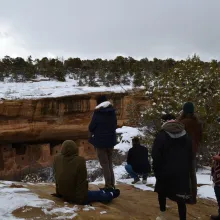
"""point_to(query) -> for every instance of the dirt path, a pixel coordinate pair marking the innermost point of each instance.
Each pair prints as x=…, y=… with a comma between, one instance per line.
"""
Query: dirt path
x=133, y=204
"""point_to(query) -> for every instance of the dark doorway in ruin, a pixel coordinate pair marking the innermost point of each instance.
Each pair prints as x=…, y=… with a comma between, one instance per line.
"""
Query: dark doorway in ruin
x=19, y=148
x=53, y=144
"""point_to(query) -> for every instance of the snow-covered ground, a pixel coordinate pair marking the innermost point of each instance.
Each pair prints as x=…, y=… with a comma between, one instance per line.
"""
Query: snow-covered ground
x=14, y=198
x=35, y=90
x=205, y=189
x=205, y=184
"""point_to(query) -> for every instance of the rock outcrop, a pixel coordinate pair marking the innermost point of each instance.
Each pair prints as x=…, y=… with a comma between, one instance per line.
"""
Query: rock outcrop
x=31, y=131
x=132, y=204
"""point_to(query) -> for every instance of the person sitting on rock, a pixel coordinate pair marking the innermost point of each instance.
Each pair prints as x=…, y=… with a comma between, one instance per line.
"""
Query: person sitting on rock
x=71, y=178
x=172, y=154
x=137, y=162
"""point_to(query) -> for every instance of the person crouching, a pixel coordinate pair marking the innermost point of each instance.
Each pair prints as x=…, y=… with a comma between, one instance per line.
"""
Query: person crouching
x=137, y=162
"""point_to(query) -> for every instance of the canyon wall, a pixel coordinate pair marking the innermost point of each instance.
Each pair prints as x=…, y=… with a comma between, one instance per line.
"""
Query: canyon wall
x=31, y=131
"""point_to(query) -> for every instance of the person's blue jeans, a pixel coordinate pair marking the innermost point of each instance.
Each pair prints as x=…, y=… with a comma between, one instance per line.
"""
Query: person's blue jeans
x=217, y=194
x=99, y=196
x=134, y=175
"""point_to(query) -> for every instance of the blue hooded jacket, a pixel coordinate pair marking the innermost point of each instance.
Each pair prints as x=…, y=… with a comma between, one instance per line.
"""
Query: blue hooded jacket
x=103, y=126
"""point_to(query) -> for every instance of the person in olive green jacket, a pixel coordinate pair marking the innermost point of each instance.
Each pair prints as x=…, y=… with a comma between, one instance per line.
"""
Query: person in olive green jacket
x=71, y=178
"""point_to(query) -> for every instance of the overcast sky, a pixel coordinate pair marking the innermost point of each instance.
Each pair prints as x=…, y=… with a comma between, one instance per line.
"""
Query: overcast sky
x=107, y=28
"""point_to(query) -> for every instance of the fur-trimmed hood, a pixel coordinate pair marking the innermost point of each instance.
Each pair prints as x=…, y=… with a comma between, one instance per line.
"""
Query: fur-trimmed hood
x=174, y=128
x=104, y=107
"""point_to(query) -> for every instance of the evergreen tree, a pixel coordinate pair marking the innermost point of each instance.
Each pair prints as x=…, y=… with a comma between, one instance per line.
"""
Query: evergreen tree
x=188, y=81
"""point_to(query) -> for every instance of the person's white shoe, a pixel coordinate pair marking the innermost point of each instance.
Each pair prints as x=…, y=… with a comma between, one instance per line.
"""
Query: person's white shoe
x=162, y=216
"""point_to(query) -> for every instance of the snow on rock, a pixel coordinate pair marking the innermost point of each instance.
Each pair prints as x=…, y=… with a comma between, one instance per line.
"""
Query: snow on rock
x=203, y=178
x=120, y=172
x=127, y=133
x=206, y=192
x=149, y=187
x=92, y=165
x=69, y=212
x=42, y=89
x=88, y=208
x=13, y=190
x=66, y=217
x=13, y=198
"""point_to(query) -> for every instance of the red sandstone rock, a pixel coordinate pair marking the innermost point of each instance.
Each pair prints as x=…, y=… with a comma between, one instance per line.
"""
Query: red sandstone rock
x=31, y=131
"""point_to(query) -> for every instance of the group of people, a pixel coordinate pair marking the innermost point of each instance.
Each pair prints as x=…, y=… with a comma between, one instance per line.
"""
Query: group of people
x=174, y=161
x=70, y=169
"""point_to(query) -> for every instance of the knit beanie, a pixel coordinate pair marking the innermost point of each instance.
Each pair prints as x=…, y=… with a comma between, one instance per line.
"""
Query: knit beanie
x=101, y=98
x=188, y=108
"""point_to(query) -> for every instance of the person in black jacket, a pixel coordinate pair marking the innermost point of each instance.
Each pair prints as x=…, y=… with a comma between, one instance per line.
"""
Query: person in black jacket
x=137, y=162
x=172, y=155
x=103, y=137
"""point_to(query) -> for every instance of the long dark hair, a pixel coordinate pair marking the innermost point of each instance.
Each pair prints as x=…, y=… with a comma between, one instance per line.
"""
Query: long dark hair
x=135, y=141
x=187, y=115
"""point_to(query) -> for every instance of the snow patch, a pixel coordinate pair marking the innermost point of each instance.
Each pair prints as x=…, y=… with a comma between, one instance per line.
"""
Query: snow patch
x=127, y=133
x=206, y=192
x=69, y=212
x=120, y=172
x=42, y=89
x=13, y=190
x=88, y=208
x=11, y=199
x=141, y=186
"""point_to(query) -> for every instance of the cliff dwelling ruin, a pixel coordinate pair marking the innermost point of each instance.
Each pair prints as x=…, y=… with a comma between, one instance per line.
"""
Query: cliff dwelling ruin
x=32, y=131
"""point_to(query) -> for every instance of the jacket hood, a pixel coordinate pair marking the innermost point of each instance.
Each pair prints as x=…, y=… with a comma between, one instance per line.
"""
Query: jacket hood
x=69, y=148
x=105, y=107
x=174, y=129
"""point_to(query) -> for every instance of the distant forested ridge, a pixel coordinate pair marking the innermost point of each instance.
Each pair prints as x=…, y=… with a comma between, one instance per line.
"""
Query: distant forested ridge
x=121, y=70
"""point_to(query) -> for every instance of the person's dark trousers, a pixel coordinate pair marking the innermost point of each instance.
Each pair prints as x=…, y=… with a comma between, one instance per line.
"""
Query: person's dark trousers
x=180, y=203
x=99, y=196
x=131, y=172
x=217, y=194
x=162, y=202
x=105, y=159
x=193, y=180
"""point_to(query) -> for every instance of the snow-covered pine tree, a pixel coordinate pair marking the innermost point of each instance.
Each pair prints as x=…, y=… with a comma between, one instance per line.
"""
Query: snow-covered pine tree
x=190, y=80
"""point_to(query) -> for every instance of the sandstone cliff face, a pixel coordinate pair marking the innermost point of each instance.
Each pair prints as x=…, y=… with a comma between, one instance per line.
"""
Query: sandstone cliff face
x=31, y=131
x=51, y=119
